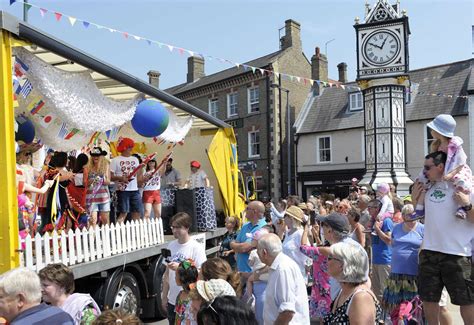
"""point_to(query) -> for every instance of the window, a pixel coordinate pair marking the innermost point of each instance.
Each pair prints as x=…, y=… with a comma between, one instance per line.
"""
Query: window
x=254, y=144
x=429, y=140
x=232, y=105
x=324, y=149
x=254, y=98
x=213, y=107
x=355, y=101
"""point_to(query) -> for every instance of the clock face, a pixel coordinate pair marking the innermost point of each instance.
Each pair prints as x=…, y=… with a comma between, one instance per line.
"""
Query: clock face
x=381, y=47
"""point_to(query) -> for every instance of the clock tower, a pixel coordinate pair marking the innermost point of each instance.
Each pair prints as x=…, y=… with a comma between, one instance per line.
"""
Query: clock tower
x=382, y=67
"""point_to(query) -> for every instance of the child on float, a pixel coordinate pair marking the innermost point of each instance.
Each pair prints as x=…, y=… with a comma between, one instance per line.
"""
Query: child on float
x=456, y=169
x=186, y=277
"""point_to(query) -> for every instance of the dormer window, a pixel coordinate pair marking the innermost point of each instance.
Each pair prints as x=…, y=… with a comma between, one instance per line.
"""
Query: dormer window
x=355, y=101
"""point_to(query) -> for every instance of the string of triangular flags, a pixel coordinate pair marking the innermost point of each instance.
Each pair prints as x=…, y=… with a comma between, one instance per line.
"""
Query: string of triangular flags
x=173, y=48
x=86, y=24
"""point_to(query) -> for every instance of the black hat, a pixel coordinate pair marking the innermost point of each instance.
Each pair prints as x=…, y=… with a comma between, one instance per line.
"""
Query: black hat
x=97, y=151
x=337, y=222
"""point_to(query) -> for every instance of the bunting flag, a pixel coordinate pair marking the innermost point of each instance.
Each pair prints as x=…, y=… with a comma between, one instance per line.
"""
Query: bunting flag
x=20, y=67
x=71, y=134
x=72, y=20
x=62, y=131
x=37, y=107
x=26, y=89
x=16, y=86
x=58, y=16
x=47, y=120
x=94, y=138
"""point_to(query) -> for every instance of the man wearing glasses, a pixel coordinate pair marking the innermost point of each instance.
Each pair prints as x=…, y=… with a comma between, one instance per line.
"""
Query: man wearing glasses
x=445, y=260
x=243, y=244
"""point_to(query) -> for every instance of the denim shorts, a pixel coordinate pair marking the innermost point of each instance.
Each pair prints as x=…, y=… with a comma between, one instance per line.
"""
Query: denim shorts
x=100, y=207
x=128, y=201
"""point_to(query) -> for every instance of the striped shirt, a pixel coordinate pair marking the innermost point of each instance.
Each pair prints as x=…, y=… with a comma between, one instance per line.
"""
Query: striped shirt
x=97, y=194
x=43, y=314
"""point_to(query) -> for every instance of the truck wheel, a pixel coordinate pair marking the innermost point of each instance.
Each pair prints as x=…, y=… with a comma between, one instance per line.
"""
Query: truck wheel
x=158, y=286
x=125, y=294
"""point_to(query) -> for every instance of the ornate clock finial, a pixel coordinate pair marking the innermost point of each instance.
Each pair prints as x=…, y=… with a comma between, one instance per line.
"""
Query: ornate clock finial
x=404, y=12
x=367, y=8
x=356, y=20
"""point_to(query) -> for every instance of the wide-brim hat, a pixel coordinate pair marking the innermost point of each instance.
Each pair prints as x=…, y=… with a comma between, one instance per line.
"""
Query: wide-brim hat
x=29, y=147
x=295, y=213
x=210, y=290
x=444, y=124
x=97, y=151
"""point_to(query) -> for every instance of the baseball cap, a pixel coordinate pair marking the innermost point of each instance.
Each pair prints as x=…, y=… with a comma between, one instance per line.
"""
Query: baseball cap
x=124, y=144
x=337, y=222
x=195, y=164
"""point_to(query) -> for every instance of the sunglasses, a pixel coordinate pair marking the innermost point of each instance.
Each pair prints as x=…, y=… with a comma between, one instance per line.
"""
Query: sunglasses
x=333, y=258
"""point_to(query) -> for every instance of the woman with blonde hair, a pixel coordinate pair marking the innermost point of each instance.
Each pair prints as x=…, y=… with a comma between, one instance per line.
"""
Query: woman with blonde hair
x=98, y=197
x=217, y=268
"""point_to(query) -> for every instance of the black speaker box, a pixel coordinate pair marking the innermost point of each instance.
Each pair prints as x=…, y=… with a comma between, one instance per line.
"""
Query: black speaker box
x=185, y=203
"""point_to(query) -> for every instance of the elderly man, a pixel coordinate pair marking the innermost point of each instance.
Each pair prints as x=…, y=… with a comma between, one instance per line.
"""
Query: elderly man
x=286, y=300
x=20, y=300
x=243, y=244
x=445, y=260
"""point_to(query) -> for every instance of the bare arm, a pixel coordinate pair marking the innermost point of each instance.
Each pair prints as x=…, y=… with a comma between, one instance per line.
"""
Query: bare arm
x=284, y=317
x=304, y=236
x=241, y=247
x=385, y=237
x=164, y=289
x=360, y=235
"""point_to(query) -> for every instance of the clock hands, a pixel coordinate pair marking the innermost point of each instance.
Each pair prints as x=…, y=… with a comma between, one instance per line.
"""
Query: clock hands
x=379, y=47
x=386, y=38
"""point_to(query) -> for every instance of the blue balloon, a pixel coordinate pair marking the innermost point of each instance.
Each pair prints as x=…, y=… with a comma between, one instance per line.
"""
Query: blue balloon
x=26, y=129
x=151, y=118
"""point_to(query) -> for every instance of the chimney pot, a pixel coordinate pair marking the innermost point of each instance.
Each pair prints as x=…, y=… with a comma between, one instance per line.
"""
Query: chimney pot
x=319, y=67
x=195, y=68
x=292, y=36
x=342, y=68
x=154, y=78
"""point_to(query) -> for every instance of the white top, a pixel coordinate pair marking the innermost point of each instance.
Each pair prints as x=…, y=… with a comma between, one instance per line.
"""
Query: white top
x=286, y=291
x=387, y=205
x=121, y=166
x=291, y=247
x=154, y=183
x=444, y=232
x=197, y=179
x=191, y=249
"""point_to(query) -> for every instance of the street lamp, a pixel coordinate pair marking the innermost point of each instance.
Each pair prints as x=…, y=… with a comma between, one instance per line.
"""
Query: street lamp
x=288, y=130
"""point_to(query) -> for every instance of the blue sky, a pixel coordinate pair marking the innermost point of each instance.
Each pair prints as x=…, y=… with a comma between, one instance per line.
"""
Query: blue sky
x=241, y=30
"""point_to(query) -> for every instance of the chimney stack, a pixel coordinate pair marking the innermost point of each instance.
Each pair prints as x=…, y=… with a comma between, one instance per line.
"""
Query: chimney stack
x=319, y=66
x=342, y=68
x=154, y=78
x=195, y=68
x=292, y=36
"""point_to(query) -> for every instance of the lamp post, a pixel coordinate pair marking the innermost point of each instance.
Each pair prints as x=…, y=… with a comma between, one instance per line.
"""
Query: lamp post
x=288, y=133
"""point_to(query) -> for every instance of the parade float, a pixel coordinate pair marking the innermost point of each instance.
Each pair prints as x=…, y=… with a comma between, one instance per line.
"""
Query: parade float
x=64, y=99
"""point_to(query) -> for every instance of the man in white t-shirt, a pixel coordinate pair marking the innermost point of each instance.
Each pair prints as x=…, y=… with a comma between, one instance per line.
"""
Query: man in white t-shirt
x=128, y=197
x=445, y=258
x=183, y=247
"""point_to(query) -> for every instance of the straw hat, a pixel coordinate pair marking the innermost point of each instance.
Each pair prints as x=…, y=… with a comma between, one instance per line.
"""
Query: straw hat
x=295, y=213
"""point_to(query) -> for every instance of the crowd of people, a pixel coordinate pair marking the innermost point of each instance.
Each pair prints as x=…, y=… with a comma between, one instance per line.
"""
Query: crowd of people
x=369, y=258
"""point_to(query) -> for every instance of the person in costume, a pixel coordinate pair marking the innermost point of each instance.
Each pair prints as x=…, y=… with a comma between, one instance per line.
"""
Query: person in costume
x=98, y=196
x=198, y=177
x=128, y=197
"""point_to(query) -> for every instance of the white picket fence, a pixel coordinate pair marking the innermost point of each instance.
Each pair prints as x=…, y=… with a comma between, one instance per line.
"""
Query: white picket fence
x=84, y=245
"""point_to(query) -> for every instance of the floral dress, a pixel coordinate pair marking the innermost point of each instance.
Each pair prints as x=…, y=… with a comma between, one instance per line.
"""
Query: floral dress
x=182, y=309
x=320, y=300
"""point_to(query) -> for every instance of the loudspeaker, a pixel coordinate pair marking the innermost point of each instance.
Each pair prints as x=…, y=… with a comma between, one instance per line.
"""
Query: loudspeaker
x=185, y=202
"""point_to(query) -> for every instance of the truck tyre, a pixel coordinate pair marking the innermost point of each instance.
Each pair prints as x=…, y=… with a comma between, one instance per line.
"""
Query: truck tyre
x=159, y=271
x=125, y=294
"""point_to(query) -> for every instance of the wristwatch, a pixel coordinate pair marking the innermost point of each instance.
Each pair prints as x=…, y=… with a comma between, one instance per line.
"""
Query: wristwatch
x=467, y=207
